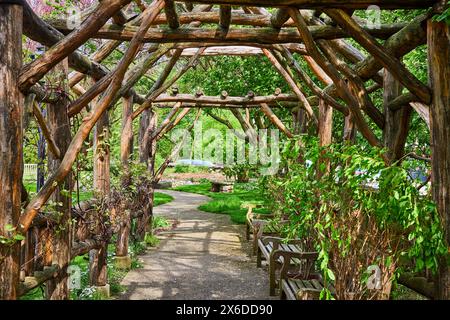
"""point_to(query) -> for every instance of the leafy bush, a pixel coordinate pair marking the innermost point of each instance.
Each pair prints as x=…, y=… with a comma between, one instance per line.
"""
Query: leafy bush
x=241, y=172
x=160, y=222
x=151, y=240
x=349, y=222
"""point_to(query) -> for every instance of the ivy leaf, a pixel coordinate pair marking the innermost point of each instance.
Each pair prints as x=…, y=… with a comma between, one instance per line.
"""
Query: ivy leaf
x=19, y=237
x=331, y=275
x=9, y=228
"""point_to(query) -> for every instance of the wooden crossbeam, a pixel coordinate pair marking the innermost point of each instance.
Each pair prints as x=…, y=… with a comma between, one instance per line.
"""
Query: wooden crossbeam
x=229, y=51
x=241, y=101
x=237, y=18
x=320, y=4
x=197, y=105
x=293, y=47
x=262, y=35
x=247, y=35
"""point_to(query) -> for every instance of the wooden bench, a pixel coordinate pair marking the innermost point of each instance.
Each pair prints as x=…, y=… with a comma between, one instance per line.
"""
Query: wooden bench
x=302, y=282
x=280, y=253
x=221, y=186
x=259, y=225
x=297, y=289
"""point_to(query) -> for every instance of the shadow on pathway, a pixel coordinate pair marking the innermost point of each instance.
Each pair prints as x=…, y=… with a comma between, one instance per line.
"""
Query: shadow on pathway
x=203, y=258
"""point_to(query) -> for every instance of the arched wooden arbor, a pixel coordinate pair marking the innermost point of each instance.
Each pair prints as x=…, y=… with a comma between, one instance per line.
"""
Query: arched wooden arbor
x=316, y=29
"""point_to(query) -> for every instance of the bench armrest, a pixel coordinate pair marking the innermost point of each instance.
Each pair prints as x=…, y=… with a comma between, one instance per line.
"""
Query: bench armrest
x=274, y=240
x=259, y=216
x=307, y=260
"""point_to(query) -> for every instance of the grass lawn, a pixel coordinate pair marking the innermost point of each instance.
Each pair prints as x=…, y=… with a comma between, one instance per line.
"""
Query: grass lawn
x=228, y=203
x=160, y=198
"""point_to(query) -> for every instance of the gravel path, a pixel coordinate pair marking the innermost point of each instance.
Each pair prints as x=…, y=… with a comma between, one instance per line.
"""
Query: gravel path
x=202, y=259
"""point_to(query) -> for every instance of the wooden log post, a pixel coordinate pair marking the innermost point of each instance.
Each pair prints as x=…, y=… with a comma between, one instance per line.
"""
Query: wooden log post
x=123, y=260
x=225, y=17
x=149, y=145
x=151, y=169
x=144, y=122
x=439, y=78
x=325, y=133
x=59, y=127
x=349, y=134
x=396, y=121
x=98, y=257
x=171, y=14
x=11, y=136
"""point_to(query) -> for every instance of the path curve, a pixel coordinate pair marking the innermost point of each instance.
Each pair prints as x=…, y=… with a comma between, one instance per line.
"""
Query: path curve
x=202, y=258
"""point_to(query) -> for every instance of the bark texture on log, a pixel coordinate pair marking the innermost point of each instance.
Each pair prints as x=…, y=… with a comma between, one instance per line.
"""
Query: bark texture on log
x=396, y=121
x=439, y=69
x=98, y=257
x=126, y=148
x=275, y=120
x=11, y=166
x=233, y=34
x=59, y=124
x=325, y=134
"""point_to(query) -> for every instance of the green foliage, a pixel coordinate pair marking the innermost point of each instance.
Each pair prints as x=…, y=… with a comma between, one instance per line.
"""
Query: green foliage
x=235, y=75
x=445, y=15
x=228, y=203
x=347, y=219
x=151, y=240
x=161, y=198
x=241, y=172
x=9, y=241
x=160, y=223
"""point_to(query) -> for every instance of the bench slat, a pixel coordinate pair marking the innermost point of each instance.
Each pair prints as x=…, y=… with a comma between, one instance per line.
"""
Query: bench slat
x=317, y=285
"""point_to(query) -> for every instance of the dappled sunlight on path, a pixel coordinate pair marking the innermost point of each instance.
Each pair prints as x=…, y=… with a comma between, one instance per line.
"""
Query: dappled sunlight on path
x=203, y=258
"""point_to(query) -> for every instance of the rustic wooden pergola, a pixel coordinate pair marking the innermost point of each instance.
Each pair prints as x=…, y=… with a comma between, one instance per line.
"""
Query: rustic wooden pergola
x=315, y=29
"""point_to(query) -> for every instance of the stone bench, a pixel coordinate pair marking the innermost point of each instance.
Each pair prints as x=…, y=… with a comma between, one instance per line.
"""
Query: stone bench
x=221, y=186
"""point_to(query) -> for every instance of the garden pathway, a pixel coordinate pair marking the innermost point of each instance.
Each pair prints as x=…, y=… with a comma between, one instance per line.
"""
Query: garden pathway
x=204, y=257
